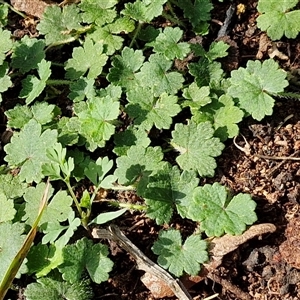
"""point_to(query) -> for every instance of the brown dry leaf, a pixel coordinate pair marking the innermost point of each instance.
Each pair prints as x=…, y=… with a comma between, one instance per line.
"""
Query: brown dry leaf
x=31, y=7
x=264, y=44
x=221, y=246
x=157, y=287
x=274, y=52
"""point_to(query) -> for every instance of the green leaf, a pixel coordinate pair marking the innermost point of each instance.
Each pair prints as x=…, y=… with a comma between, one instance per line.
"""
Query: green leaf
x=18, y=116
x=42, y=112
x=178, y=257
x=148, y=34
x=85, y=200
x=38, y=257
x=167, y=44
x=74, y=223
x=108, y=34
x=89, y=58
x=226, y=119
x=3, y=14
x=196, y=12
x=60, y=25
x=108, y=216
x=67, y=135
x=224, y=116
x=11, y=240
x=219, y=213
x=6, y=44
x=125, y=67
x=81, y=89
x=100, y=13
x=166, y=189
x=144, y=10
x=57, y=210
x=27, y=53
x=53, y=229
x=81, y=161
x=112, y=91
x=138, y=164
x=7, y=211
x=85, y=256
x=277, y=18
x=255, y=85
x=216, y=50
x=149, y=110
x=131, y=136
x=50, y=289
x=43, y=259
x=196, y=97
x=96, y=121
x=32, y=86
x=28, y=150
x=5, y=81
x=121, y=25
x=11, y=186
x=206, y=72
x=112, y=42
x=197, y=147
x=58, y=163
x=154, y=75
x=96, y=171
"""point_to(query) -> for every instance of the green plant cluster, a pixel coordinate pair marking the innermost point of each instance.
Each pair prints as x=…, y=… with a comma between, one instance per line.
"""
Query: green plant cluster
x=120, y=84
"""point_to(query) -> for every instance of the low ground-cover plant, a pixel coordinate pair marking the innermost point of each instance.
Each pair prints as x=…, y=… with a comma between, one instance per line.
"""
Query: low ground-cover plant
x=122, y=84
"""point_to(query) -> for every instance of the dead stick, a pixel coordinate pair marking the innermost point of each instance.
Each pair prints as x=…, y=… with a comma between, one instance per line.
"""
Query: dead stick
x=142, y=261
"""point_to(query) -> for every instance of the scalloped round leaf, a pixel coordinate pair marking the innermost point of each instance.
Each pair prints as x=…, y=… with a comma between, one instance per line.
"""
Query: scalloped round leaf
x=277, y=18
x=51, y=289
x=28, y=148
x=148, y=110
x=218, y=213
x=167, y=44
x=197, y=147
x=254, y=86
x=178, y=257
x=86, y=256
x=125, y=66
x=154, y=74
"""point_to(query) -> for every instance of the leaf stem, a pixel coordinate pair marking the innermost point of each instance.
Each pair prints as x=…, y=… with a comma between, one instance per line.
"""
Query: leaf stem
x=174, y=2
x=137, y=31
x=53, y=63
x=133, y=206
x=67, y=182
x=123, y=188
x=58, y=82
x=138, y=207
x=95, y=193
x=173, y=18
x=13, y=9
x=59, y=43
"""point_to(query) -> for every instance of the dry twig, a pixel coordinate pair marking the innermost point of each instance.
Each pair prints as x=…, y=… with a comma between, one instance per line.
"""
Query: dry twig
x=142, y=261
